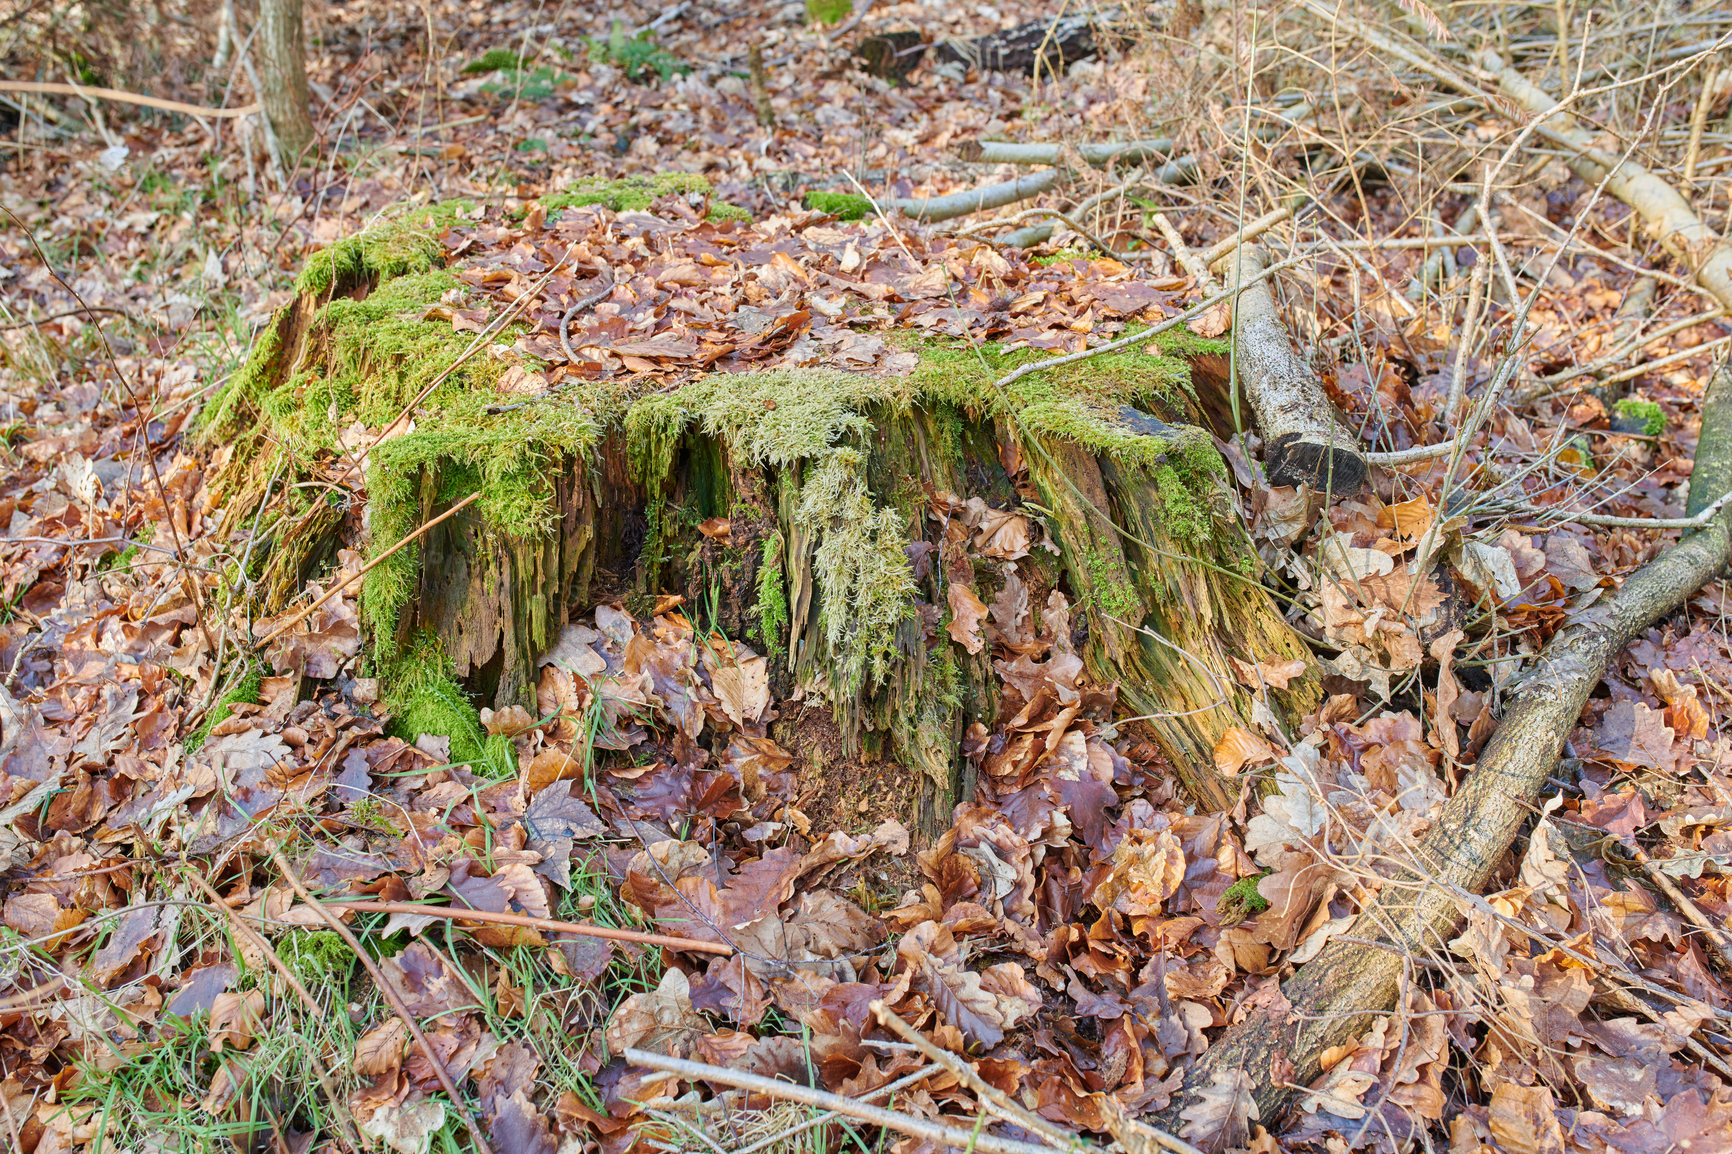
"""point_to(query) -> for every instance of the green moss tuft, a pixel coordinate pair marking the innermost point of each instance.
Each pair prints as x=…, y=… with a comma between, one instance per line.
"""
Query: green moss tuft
x=245, y=692
x=861, y=564
x=829, y=11
x=628, y=193
x=841, y=205
x=493, y=60
x=424, y=697
x=1241, y=900
x=721, y=210
x=409, y=244
x=772, y=597
x=1646, y=417
x=319, y=958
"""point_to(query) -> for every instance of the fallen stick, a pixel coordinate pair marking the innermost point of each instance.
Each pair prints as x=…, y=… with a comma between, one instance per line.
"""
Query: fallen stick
x=458, y=914
x=952, y=1136
x=1666, y=215
x=936, y=208
x=1334, y=997
x=1099, y=155
x=1303, y=442
x=86, y=92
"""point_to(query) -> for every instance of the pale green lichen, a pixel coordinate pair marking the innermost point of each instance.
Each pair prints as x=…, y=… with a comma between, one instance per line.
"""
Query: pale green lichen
x=861, y=565
x=770, y=419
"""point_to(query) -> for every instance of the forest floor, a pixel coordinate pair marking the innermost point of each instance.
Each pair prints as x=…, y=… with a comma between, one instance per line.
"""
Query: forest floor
x=172, y=790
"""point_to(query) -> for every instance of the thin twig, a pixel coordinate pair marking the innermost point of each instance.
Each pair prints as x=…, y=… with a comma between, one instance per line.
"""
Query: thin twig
x=457, y=914
x=345, y=582
x=395, y=999
x=807, y=1096
x=83, y=92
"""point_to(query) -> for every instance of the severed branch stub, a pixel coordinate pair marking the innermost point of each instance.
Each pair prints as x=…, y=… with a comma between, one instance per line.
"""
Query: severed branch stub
x=1304, y=443
x=1356, y=977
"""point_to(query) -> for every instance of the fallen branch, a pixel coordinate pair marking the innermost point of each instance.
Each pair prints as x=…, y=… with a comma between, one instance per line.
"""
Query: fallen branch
x=1099, y=155
x=1335, y=996
x=952, y=1136
x=956, y=204
x=1303, y=442
x=458, y=914
x=1665, y=214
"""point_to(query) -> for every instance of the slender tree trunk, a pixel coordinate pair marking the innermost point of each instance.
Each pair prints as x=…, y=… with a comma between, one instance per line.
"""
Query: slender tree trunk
x=282, y=77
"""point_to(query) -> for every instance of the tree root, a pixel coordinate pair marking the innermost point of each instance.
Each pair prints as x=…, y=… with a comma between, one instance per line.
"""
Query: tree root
x=1335, y=997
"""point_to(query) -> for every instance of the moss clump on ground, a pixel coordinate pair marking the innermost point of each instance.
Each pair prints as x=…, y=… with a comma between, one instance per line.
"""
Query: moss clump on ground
x=637, y=193
x=493, y=60
x=829, y=11
x=1637, y=415
x=244, y=692
x=319, y=958
x=423, y=696
x=1241, y=900
x=841, y=205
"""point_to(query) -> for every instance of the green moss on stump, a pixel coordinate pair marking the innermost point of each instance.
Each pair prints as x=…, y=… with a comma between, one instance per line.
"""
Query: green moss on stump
x=367, y=359
x=1645, y=417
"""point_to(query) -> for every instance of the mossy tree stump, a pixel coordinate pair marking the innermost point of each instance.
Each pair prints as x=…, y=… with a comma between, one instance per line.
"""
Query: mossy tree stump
x=782, y=505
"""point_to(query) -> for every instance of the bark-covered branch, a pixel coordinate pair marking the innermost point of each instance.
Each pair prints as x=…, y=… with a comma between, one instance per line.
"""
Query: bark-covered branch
x=1335, y=996
x=1666, y=215
x=1303, y=442
x=1038, y=152
x=987, y=196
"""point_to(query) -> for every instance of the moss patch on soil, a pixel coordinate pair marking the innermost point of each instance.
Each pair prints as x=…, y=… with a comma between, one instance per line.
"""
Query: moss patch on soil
x=637, y=193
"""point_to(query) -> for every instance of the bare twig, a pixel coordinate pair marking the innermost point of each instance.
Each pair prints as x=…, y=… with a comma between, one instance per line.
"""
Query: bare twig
x=85, y=92
x=584, y=929
x=342, y=584
x=805, y=1095
x=392, y=996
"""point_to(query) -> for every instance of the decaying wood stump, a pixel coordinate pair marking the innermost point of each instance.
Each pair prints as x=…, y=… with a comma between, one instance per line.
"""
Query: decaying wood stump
x=810, y=513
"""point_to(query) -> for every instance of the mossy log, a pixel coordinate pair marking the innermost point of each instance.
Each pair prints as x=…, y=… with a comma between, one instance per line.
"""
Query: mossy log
x=791, y=509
